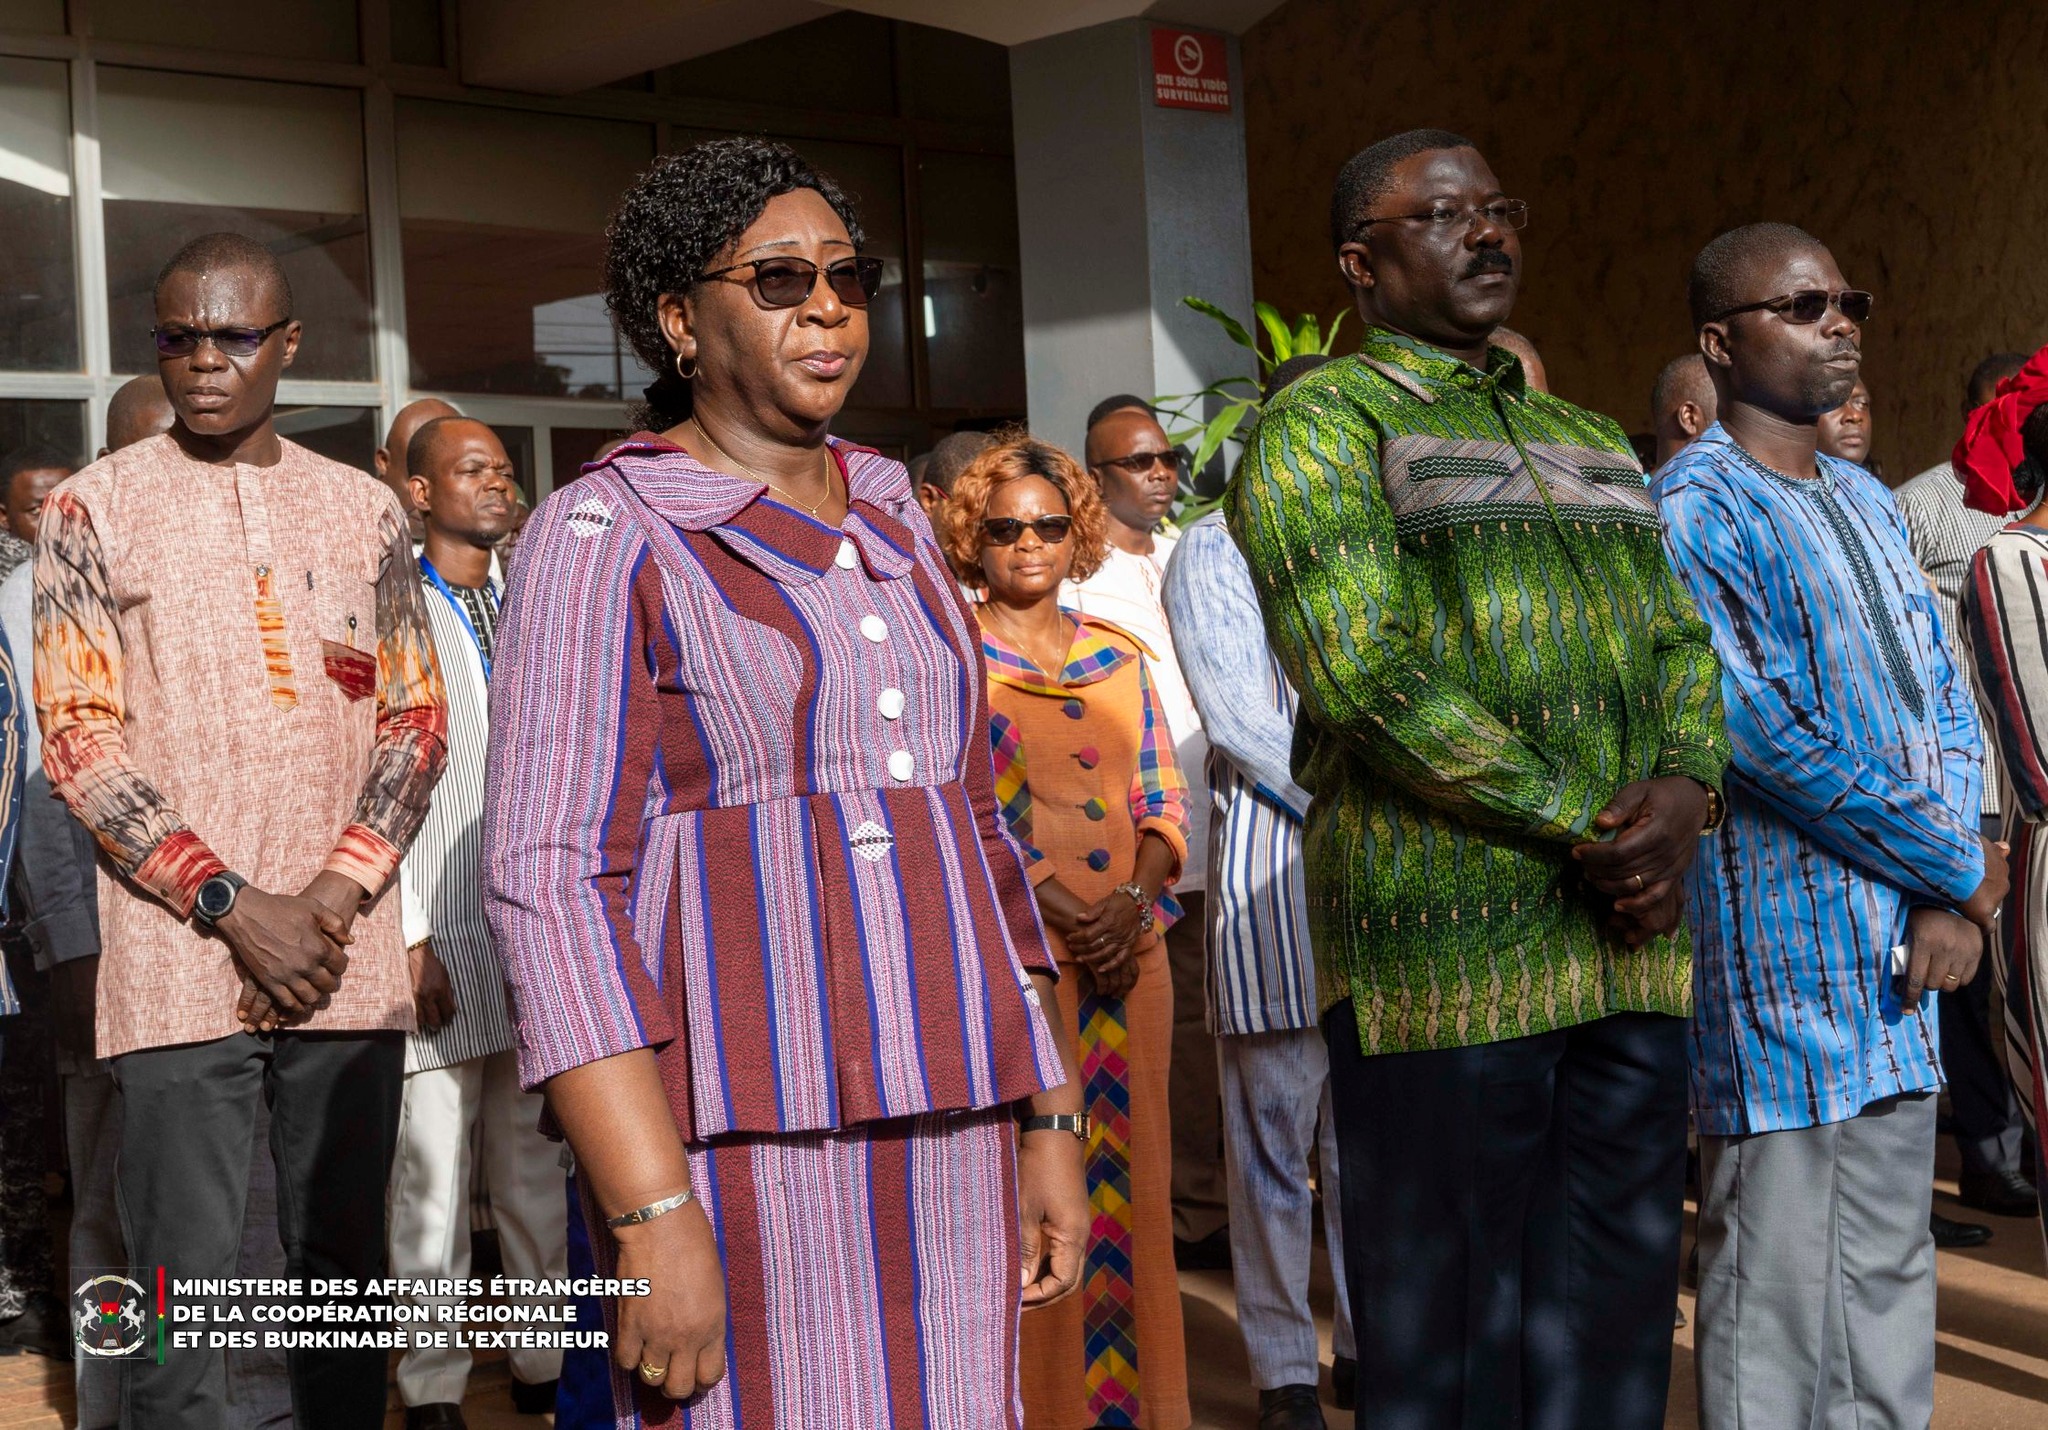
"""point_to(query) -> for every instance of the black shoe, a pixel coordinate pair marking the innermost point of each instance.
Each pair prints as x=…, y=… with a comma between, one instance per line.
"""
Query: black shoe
x=42, y=1329
x=1344, y=1382
x=1291, y=1407
x=535, y=1399
x=441, y=1415
x=2005, y=1193
x=1955, y=1235
x=1692, y=1268
x=1211, y=1253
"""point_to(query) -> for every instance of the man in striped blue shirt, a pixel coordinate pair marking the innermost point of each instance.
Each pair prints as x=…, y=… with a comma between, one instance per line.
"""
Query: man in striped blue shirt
x=1851, y=829
x=1262, y=977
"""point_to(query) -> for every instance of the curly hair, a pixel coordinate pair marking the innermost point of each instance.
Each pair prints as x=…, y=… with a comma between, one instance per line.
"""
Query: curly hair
x=677, y=218
x=1014, y=456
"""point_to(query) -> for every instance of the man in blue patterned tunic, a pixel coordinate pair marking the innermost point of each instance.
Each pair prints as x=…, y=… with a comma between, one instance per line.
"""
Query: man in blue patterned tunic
x=1851, y=830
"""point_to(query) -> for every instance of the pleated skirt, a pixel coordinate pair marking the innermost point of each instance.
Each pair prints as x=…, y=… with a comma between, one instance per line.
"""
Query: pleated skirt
x=871, y=1280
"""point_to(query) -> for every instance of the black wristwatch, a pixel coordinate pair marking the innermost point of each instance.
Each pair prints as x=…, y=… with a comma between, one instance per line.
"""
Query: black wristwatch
x=217, y=897
x=1074, y=1122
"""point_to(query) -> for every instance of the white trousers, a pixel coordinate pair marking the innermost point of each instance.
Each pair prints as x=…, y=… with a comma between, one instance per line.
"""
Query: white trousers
x=429, y=1215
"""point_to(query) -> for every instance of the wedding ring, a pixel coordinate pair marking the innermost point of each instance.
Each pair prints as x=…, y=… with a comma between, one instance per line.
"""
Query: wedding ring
x=1639, y=882
x=1950, y=979
x=653, y=1374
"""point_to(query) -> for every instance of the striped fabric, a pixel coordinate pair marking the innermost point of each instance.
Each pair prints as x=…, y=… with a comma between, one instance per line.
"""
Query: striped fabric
x=1852, y=794
x=12, y=779
x=1946, y=535
x=1262, y=975
x=872, y=1280
x=441, y=874
x=1462, y=578
x=2008, y=644
x=740, y=808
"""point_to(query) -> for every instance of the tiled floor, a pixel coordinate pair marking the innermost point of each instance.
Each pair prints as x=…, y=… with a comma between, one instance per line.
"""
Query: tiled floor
x=1991, y=1358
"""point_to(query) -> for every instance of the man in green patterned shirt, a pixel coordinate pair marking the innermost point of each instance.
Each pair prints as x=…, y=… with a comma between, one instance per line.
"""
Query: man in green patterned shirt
x=1511, y=728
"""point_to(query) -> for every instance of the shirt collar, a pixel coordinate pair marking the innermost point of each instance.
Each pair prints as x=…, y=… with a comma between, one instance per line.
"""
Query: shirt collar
x=1094, y=655
x=783, y=543
x=1429, y=372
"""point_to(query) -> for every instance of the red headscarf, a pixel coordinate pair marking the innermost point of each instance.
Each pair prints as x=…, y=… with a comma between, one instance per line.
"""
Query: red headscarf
x=1990, y=446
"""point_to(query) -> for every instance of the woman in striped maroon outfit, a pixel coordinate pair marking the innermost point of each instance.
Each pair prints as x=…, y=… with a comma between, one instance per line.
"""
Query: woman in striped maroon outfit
x=770, y=946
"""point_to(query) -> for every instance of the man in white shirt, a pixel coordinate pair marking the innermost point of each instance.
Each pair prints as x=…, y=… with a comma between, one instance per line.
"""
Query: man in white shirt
x=1139, y=472
x=461, y=1075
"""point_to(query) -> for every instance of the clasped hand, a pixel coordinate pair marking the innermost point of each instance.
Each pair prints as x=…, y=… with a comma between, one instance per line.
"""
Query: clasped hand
x=1656, y=825
x=291, y=949
x=1104, y=939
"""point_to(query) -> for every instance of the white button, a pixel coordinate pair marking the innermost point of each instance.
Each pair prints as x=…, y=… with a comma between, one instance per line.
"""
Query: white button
x=846, y=558
x=874, y=628
x=890, y=703
x=900, y=765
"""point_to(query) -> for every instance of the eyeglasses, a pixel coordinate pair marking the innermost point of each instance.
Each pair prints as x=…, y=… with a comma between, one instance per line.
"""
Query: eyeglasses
x=1444, y=218
x=1138, y=463
x=786, y=282
x=1809, y=305
x=233, y=342
x=1006, y=530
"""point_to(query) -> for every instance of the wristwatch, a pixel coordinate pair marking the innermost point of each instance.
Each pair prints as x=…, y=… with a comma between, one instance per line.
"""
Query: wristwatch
x=217, y=897
x=1075, y=1122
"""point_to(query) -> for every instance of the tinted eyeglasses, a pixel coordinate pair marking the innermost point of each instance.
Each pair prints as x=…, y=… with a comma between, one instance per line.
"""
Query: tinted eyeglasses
x=1456, y=218
x=786, y=282
x=1008, y=530
x=234, y=342
x=1139, y=463
x=1809, y=305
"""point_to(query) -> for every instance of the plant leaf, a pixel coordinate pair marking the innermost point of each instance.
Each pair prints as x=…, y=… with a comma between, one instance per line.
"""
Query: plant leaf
x=1231, y=325
x=1223, y=426
x=1277, y=331
x=1330, y=340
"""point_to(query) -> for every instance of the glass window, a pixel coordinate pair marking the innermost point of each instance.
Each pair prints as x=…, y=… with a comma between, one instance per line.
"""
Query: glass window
x=32, y=17
x=973, y=303
x=503, y=216
x=292, y=29
x=519, y=447
x=416, y=35
x=952, y=76
x=59, y=426
x=843, y=62
x=38, y=281
x=283, y=164
x=571, y=447
x=343, y=434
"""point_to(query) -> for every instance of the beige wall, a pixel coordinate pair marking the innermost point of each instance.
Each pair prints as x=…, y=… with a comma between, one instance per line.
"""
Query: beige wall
x=1910, y=137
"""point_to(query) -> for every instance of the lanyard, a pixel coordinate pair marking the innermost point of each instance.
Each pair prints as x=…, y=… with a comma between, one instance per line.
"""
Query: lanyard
x=462, y=611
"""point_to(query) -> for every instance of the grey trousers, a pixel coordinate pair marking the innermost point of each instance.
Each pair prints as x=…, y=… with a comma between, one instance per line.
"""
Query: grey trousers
x=1816, y=1307
x=1276, y=1092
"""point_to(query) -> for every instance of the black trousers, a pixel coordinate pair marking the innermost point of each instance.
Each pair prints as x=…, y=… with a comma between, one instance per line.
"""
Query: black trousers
x=187, y=1129
x=1512, y=1215
x=1985, y=1111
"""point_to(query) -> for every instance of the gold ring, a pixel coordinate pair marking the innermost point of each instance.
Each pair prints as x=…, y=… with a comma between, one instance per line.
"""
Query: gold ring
x=1639, y=882
x=1949, y=979
x=653, y=1374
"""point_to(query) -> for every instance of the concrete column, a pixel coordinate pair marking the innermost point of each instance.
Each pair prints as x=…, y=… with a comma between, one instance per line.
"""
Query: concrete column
x=1124, y=208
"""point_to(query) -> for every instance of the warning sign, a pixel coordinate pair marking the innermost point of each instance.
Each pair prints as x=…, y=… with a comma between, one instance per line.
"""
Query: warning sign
x=1190, y=70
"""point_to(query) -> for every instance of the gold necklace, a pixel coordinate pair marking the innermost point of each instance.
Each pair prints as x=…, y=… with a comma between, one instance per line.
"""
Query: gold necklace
x=778, y=490
x=1009, y=633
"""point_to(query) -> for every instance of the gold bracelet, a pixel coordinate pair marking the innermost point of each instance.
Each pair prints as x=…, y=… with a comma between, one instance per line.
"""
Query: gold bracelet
x=650, y=1211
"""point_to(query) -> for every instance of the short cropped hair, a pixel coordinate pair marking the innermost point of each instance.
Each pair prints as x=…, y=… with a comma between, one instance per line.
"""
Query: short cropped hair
x=1992, y=371
x=420, y=450
x=1369, y=173
x=37, y=457
x=1289, y=372
x=1014, y=456
x=1683, y=378
x=1722, y=270
x=950, y=456
x=213, y=251
x=1110, y=406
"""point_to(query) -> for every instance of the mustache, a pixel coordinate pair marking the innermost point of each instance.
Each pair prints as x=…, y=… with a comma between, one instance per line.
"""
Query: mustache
x=1843, y=350
x=1488, y=260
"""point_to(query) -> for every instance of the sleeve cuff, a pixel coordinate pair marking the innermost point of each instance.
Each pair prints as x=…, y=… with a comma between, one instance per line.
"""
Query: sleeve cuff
x=1696, y=762
x=1176, y=839
x=176, y=868
x=62, y=937
x=1037, y=869
x=364, y=855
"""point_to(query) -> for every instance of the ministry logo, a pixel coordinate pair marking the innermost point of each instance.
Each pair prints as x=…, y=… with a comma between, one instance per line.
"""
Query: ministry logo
x=110, y=1317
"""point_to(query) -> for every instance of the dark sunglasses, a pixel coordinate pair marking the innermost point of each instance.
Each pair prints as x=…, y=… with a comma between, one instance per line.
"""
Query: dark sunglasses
x=1138, y=463
x=1007, y=530
x=234, y=342
x=1809, y=305
x=786, y=282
